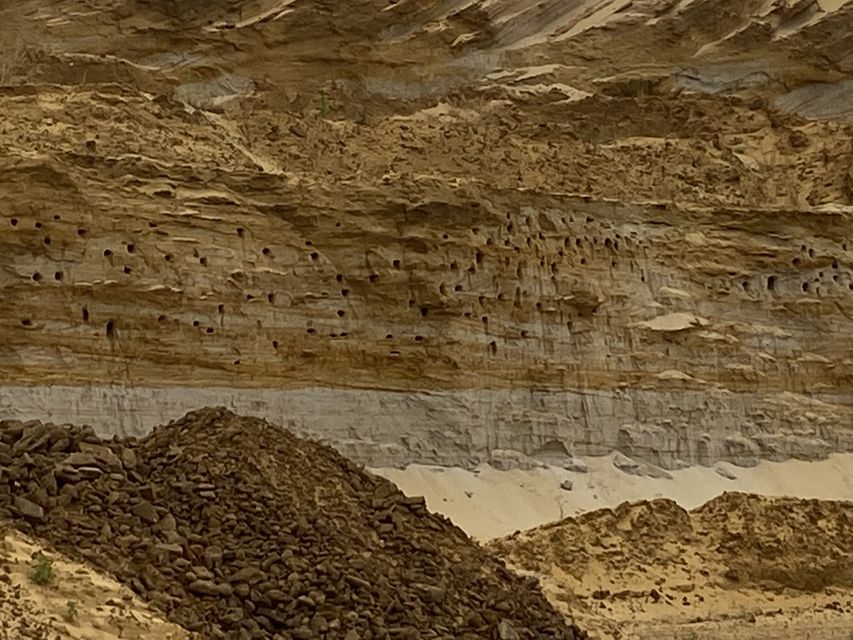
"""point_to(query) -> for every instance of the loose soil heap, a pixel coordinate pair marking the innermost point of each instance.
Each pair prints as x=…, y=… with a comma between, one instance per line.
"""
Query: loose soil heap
x=784, y=565
x=236, y=528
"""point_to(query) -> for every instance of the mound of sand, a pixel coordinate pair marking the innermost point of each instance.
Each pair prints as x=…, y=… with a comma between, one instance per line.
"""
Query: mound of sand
x=68, y=599
x=647, y=566
x=236, y=528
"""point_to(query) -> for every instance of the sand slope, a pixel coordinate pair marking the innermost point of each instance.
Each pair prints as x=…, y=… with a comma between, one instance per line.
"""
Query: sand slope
x=488, y=503
x=77, y=603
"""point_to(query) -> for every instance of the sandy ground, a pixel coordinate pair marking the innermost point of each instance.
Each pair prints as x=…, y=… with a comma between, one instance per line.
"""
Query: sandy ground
x=76, y=603
x=740, y=566
x=488, y=503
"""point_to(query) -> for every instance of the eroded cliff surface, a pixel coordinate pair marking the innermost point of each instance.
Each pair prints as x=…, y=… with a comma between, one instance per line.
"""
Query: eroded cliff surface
x=427, y=233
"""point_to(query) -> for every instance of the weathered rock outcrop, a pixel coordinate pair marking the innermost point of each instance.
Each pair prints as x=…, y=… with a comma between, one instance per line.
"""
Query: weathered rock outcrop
x=420, y=269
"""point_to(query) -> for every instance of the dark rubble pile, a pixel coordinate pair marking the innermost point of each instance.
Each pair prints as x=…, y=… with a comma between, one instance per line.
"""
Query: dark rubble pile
x=237, y=529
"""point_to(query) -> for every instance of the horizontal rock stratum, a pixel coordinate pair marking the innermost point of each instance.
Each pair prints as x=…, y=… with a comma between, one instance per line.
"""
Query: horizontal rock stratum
x=474, y=232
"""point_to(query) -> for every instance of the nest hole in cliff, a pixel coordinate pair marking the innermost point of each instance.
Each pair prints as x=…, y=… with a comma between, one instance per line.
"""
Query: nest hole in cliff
x=111, y=329
x=493, y=348
x=275, y=344
x=341, y=313
x=57, y=276
x=81, y=232
x=13, y=222
x=38, y=225
x=196, y=323
x=127, y=269
x=221, y=308
x=419, y=338
x=771, y=283
x=84, y=312
x=396, y=264
x=805, y=286
x=209, y=330
x=424, y=312
x=339, y=277
x=46, y=240
x=168, y=257
x=107, y=253
x=344, y=292
x=457, y=287
x=265, y=251
x=795, y=262
x=315, y=256
x=271, y=298
x=36, y=277
x=310, y=331
x=26, y=322
x=202, y=261
x=373, y=278
x=130, y=247
x=583, y=260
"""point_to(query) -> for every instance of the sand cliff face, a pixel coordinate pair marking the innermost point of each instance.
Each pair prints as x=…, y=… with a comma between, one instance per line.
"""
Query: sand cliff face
x=428, y=233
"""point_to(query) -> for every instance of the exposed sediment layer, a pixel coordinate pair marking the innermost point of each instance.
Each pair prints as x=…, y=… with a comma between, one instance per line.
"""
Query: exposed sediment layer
x=500, y=226
x=463, y=428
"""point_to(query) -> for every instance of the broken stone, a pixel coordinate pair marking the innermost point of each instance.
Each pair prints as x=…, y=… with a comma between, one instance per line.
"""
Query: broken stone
x=146, y=511
x=27, y=508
